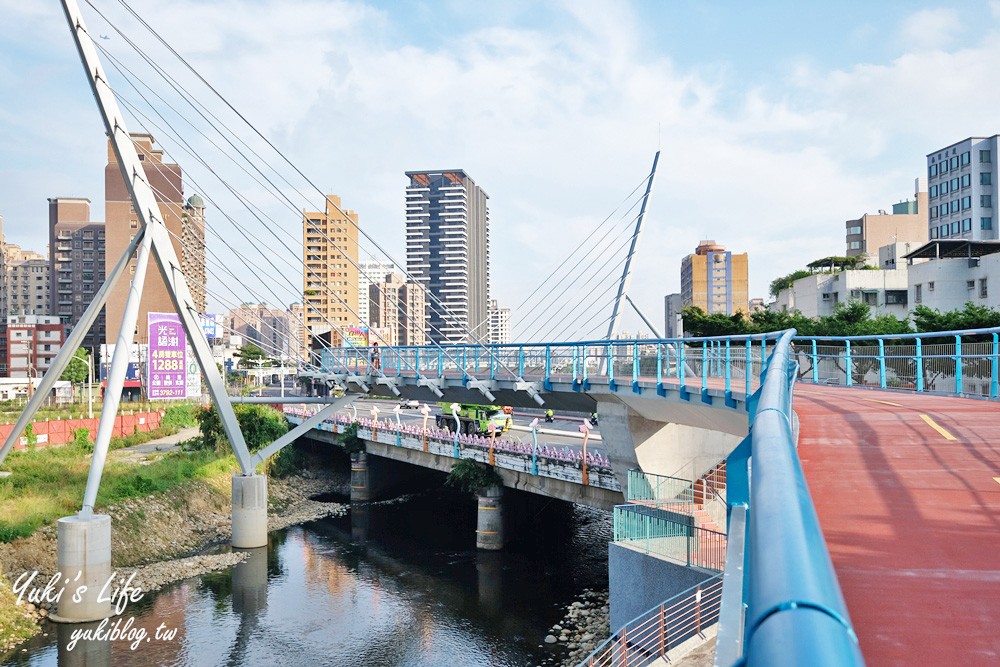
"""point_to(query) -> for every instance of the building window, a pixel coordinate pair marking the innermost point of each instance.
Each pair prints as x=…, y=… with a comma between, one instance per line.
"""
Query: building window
x=982, y=288
x=954, y=227
x=986, y=223
x=934, y=212
x=986, y=201
x=943, y=229
x=966, y=180
x=986, y=178
x=870, y=298
x=954, y=184
x=854, y=245
x=970, y=284
x=944, y=167
x=934, y=233
x=933, y=170
x=934, y=191
x=944, y=187
x=967, y=225
x=895, y=297
x=954, y=162
x=854, y=230
x=966, y=158
x=955, y=206
x=930, y=285
x=984, y=157
x=966, y=202
x=918, y=296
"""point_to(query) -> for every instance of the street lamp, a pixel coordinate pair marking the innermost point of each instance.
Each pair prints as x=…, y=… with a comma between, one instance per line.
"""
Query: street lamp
x=90, y=385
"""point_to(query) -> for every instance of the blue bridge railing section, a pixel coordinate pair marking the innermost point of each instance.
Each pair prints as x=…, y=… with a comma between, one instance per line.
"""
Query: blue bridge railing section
x=690, y=366
x=945, y=362
x=795, y=612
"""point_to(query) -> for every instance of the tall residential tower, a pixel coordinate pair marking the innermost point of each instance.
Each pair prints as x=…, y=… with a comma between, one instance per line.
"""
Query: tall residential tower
x=963, y=190
x=715, y=280
x=448, y=251
x=330, y=282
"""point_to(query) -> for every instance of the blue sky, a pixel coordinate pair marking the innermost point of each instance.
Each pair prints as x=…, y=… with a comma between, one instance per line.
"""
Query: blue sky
x=777, y=121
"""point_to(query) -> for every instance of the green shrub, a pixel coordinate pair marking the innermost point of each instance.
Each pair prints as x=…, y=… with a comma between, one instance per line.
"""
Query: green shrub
x=180, y=416
x=81, y=439
x=29, y=434
x=350, y=440
x=261, y=425
x=471, y=476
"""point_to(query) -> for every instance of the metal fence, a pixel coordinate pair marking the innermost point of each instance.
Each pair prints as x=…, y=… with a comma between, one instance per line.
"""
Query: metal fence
x=653, y=634
x=670, y=535
x=963, y=362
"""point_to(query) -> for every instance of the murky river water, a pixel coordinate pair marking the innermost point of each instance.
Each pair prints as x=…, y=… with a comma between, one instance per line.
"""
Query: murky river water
x=395, y=584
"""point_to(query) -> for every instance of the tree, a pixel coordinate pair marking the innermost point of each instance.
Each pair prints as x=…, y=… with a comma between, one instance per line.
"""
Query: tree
x=784, y=282
x=76, y=371
x=249, y=355
x=698, y=324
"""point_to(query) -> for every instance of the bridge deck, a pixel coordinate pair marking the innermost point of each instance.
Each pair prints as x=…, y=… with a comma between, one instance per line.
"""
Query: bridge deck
x=911, y=511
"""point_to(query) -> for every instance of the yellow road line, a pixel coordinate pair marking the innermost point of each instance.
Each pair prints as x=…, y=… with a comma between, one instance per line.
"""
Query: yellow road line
x=875, y=400
x=934, y=425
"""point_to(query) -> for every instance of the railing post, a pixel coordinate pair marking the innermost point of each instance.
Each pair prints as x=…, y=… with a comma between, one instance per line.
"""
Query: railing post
x=847, y=364
x=994, y=385
x=815, y=363
x=748, y=371
x=520, y=361
x=881, y=363
x=681, y=374
x=494, y=352
x=576, y=358
x=548, y=363
x=416, y=360
x=659, y=363
x=728, y=373
x=920, y=366
x=440, y=362
x=704, y=364
x=958, y=364
x=635, y=363
x=663, y=632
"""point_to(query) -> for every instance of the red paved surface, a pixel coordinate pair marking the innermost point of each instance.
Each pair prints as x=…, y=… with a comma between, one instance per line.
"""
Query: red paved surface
x=911, y=518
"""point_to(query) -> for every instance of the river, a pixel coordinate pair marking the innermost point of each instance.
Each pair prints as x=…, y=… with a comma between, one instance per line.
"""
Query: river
x=397, y=583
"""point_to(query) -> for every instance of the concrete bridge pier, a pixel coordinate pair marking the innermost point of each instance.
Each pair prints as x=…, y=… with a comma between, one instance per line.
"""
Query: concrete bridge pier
x=83, y=556
x=489, y=523
x=360, y=489
x=249, y=511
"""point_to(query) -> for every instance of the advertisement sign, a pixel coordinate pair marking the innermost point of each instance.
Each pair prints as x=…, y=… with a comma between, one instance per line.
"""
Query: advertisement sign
x=193, y=375
x=355, y=336
x=212, y=326
x=167, y=357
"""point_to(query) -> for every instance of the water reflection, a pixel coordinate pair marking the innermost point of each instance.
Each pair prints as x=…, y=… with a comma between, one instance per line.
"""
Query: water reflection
x=393, y=584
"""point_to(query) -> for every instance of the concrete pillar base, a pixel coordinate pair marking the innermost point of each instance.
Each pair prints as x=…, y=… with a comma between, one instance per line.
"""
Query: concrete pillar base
x=249, y=511
x=83, y=556
x=360, y=491
x=489, y=524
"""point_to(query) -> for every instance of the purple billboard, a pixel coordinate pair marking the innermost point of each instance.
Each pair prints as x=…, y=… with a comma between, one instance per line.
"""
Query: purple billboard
x=167, y=360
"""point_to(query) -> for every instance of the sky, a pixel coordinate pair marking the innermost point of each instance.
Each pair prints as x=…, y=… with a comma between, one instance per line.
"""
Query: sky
x=777, y=121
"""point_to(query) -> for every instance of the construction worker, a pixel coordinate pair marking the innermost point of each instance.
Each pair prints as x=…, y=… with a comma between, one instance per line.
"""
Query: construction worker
x=548, y=415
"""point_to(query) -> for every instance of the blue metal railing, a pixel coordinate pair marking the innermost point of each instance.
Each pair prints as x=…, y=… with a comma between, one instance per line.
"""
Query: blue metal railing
x=943, y=362
x=694, y=367
x=795, y=613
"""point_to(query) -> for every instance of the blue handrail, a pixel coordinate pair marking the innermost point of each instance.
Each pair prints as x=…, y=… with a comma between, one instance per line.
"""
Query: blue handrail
x=796, y=614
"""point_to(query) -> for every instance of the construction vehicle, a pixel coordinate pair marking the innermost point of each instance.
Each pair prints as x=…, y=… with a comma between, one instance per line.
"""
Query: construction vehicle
x=476, y=419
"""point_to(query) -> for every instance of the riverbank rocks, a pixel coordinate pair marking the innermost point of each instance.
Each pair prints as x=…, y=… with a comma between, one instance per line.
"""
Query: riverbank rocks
x=584, y=626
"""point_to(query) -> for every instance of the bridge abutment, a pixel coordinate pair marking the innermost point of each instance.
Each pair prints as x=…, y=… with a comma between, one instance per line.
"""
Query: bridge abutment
x=83, y=556
x=489, y=522
x=249, y=511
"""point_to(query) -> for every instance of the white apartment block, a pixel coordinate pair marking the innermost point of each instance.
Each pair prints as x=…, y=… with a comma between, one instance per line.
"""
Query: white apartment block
x=885, y=292
x=962, y=190
x=370, y=272
x=499, y=324
x=955, y=272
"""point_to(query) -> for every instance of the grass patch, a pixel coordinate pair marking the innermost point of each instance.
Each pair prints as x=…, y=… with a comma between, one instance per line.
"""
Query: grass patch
x=15, y=627
x=49, y=483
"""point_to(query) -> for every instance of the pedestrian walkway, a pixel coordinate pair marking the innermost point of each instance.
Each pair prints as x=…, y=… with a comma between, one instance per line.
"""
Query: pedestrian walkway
x=168, y=443
x=907, y=489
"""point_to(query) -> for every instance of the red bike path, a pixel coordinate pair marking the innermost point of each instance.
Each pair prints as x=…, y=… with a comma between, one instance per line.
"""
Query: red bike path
x=907, y=489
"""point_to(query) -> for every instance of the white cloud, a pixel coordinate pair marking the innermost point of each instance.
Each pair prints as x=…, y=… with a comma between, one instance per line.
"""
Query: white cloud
x=930, y=29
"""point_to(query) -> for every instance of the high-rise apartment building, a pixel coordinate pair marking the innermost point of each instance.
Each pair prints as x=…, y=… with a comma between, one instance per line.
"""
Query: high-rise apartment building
x=499, y=325
x=330, y=280
x=370, y=272
x=3, y=302
x=76, y=272
x=963, y=190
x=715, y=280
x=673, y=327
x=448, y=250
x=906, y=224
x=274, y=330
x=185, y=222
x=397, y=310
x=27, y=281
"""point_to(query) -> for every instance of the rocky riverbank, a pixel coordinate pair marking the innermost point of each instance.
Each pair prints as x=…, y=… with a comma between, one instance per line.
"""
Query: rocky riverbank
x=581, y=630
x=159, y=536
